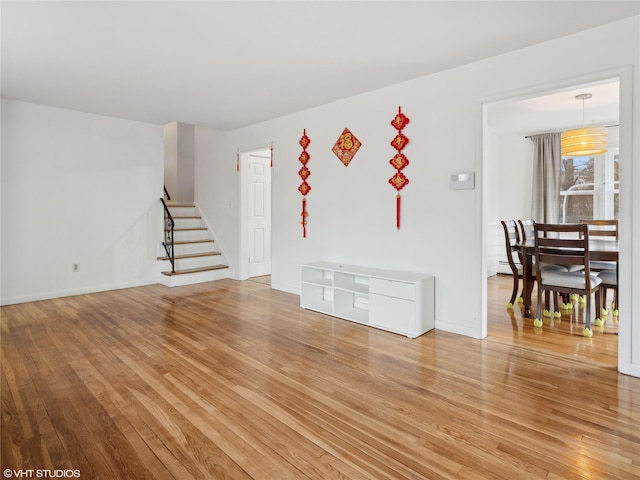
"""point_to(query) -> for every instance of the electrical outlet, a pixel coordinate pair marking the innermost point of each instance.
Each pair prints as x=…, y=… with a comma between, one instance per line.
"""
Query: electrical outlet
x=75, y=267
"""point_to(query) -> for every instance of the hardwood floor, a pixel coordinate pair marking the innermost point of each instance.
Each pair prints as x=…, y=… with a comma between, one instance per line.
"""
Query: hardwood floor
x=265, y=279
x=233, y=380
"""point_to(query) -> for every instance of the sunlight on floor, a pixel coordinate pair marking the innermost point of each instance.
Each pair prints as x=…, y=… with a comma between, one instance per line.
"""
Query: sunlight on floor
x=562, y=335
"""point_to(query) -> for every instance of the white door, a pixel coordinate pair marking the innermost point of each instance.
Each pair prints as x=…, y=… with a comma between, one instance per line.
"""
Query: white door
x=259, y=202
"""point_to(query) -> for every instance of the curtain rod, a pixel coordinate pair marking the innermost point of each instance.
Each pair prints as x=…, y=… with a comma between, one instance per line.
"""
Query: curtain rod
x=605, y=126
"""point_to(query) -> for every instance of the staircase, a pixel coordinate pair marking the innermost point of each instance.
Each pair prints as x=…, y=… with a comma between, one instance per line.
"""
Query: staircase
x=196, y=259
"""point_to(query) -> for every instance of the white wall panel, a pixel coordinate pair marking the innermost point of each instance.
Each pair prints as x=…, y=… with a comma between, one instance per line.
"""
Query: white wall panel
x=77, y=189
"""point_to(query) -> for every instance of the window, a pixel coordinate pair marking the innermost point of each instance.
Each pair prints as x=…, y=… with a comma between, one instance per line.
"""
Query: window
x=589, y=187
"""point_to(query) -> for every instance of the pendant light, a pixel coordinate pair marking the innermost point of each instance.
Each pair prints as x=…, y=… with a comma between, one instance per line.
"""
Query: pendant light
x=583, y=141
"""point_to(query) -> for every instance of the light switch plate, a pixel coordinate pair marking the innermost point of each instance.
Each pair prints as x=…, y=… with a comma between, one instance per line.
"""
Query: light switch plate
x=462, y=181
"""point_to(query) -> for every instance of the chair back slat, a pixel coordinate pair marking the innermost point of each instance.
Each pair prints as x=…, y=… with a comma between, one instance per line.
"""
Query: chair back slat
x=602, y=228
x=561, y=259
x=564, y=243
x=526, y=228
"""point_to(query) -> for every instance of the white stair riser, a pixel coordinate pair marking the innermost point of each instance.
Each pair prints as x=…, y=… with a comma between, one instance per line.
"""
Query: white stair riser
x=187, y=222
x=188, y=235
x=182, y=211
x=189, y=248
x=189, y=263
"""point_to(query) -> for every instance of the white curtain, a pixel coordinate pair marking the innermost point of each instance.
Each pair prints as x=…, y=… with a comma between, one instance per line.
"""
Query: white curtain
x=546, y=177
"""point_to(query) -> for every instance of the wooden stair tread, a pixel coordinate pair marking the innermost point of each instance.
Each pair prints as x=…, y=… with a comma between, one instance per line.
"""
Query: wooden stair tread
x=195, y=270
x=189, y=229
x=191, y=255
x=186, y=242
x=179, y=205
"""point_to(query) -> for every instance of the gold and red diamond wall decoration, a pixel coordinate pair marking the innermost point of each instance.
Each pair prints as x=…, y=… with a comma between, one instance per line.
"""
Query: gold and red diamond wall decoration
x=399, y=160
x=304, y=173
x=346, y=147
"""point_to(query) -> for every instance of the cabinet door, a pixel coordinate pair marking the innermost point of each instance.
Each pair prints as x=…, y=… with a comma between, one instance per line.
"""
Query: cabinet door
x=392, y=313
x=393, y=288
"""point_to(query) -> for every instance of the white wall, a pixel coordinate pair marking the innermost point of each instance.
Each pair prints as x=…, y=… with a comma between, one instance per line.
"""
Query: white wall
x=513, y=175
x=170, y=150
x=77, y=188
x=216, y=192
x=179, y=145
x=509, y=185
x=351, y=210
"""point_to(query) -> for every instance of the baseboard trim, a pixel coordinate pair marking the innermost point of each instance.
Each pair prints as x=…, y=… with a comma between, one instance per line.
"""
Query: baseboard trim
x=70, y=293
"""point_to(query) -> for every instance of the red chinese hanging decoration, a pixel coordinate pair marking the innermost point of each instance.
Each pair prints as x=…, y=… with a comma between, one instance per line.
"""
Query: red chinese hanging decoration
x=346, y=147
x=399, y=160
x=304, y=173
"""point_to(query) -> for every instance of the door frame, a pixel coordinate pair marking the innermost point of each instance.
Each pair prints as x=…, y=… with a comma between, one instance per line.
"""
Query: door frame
x=629, y=337
x=243, y=166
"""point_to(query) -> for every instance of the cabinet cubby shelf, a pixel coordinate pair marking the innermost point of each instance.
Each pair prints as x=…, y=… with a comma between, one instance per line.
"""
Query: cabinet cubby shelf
x=396, y=301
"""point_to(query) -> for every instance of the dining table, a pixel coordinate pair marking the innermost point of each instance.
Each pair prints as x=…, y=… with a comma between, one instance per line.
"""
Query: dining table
x=600, y=249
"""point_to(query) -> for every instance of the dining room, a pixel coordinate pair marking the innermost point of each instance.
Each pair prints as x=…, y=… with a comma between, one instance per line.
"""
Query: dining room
x=583, y=187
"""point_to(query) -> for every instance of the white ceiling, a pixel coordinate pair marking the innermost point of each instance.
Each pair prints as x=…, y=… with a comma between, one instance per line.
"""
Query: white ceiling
x=558, y=110
x=232, y=64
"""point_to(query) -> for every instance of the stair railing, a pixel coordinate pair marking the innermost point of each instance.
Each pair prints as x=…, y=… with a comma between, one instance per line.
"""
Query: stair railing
x=166, y=194
x=169, y=224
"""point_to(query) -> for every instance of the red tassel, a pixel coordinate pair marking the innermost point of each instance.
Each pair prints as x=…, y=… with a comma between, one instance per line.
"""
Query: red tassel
x=304, y=217
x=398, y=211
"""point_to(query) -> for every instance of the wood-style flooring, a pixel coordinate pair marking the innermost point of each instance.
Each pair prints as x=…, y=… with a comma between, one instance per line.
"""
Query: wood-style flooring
x=233, y=380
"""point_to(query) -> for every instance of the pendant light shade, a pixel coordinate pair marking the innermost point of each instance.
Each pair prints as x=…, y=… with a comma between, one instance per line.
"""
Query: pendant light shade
x=584, y=141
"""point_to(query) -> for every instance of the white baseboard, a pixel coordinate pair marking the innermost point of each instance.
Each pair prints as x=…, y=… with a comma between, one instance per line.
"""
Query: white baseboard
x=69, y=293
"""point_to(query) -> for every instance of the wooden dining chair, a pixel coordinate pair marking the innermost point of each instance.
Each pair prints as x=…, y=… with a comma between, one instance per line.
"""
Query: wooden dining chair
x=514, y=257
x=602, y=228
x=527, y=231
x=609, y=281
x=526, y=228
x=608, y=270
x=512, y=240
x=566, y=245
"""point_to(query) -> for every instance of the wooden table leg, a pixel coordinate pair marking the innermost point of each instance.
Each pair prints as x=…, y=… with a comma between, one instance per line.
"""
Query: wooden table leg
x=527, y=281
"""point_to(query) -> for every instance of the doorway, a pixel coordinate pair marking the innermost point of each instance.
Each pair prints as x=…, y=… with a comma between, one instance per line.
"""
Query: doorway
x=508, y=158
x=255, y=208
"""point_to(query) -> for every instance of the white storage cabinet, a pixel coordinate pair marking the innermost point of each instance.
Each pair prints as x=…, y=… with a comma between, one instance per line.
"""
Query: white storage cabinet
x=400, y=302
